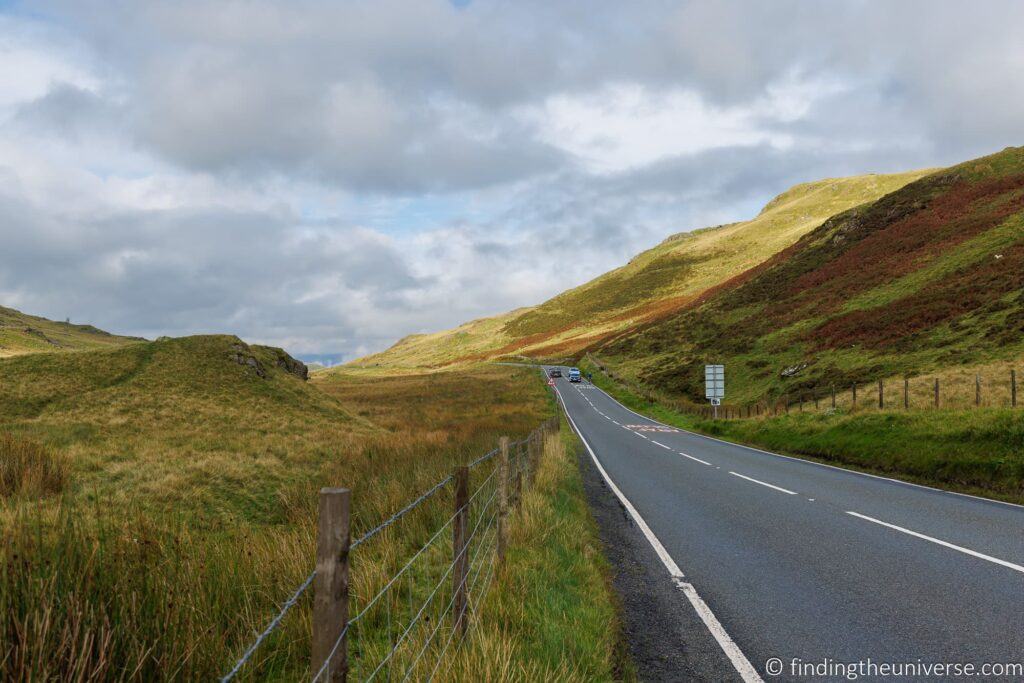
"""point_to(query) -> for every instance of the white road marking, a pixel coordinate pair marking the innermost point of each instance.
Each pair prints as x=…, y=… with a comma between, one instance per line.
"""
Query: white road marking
x=703, y=462
x=739, y=660
x=660, y=444
x=771, y=486
x=811, y=462
x=945, y=544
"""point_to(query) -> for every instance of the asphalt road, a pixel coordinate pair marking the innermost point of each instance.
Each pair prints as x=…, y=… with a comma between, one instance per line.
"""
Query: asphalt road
x=775, y=557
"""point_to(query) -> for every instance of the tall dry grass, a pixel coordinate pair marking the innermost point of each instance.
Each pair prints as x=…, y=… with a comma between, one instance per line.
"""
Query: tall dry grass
x=128, y=579
x=29, y=469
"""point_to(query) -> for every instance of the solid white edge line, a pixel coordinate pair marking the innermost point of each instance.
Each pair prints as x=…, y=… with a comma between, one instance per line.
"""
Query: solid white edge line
x=811, y=462
x=687, y=455
x=762, y=483
x=946, y=544
x=739, y=660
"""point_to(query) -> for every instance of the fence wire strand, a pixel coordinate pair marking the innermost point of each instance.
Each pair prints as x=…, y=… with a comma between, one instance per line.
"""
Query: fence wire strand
x=475, y=568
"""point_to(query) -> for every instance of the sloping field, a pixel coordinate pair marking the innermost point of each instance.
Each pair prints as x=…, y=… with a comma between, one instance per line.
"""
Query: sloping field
x=161, y=500
x=654, y=284
x=927, y=277
x=21, y=333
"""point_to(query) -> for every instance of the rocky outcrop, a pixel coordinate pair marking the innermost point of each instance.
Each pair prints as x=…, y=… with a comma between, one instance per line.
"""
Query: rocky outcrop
x=260, y=358
x=285, y=362
x=243, y=355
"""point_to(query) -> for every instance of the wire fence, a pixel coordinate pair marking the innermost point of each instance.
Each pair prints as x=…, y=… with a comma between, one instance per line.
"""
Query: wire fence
x=953, y=389
x=406, y=624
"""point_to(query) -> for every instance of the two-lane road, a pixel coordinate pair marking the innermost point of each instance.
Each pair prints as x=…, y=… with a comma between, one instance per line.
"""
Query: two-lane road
x=789, y=559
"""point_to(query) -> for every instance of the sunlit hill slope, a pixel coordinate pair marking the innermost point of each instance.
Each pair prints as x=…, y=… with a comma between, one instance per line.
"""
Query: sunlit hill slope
x=653, y=285
x=21, y=333
x=930, y=276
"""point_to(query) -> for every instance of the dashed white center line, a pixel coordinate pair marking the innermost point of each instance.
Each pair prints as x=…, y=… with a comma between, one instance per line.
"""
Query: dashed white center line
x=687, y=455
x=660, y=444
x=771, y=486
x=945, y=544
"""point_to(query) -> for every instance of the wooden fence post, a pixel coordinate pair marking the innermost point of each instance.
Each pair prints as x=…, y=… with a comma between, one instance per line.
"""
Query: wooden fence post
x=460, y=551
x=816, y=406
x=330, y=585
x=502, y=526
x=833, y=396
x=855, y=395
x=936, y=392
x=517, y=478
x=537, y=441
x=977, y=391
x=881, y=395
x=906, y=393
x=1013, y=388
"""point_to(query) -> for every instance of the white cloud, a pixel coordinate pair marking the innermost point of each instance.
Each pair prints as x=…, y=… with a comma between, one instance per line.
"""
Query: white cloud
x=332, y=176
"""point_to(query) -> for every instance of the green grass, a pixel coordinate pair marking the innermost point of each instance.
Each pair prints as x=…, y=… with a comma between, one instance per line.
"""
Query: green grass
x=188, y=507
x=552, y=614
x=21, y=333
x=972, y=451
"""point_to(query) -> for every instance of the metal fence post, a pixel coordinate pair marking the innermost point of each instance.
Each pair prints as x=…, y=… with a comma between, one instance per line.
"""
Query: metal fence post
x=330, y=585
x=460, y=554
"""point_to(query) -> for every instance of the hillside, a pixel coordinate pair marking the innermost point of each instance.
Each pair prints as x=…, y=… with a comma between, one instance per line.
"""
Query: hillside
x=929, y=276
x=652, y=285
x=21, y=333
x=171, y=419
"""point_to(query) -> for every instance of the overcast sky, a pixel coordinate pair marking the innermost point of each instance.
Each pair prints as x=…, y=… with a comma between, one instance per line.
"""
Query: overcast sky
x=331, y=176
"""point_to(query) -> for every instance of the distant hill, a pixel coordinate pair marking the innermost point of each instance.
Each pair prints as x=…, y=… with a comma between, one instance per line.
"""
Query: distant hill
x=653, y=285
x=929, y=276
x=21, y=333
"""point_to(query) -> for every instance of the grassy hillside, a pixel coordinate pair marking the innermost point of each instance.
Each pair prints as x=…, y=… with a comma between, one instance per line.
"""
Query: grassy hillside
x=21, y=333
x=927, y=277
x=652, y=285
x=158, y=502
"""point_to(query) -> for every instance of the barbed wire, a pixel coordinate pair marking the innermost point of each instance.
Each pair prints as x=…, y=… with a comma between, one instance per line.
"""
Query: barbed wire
x=271, y=627
x=433, y=593
x=472, y=586
x=275, y=623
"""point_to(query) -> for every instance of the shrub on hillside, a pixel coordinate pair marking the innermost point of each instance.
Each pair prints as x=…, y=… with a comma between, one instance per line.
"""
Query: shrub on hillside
x=29, y=468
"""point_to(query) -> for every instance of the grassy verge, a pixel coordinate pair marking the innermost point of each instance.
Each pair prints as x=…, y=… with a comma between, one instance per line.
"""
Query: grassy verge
x=979, y=451
x=551, y=614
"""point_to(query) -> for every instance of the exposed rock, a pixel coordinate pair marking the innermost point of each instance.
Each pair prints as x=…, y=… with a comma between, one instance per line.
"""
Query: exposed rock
x=291, y=365
x=243, y=356
x=793, y=370
x=41, y=335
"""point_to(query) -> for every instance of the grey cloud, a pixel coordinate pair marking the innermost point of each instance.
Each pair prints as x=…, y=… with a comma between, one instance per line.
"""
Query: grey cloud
x=392, y=100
